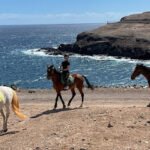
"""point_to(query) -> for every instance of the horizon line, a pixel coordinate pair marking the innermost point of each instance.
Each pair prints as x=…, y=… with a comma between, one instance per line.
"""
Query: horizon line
x=51, y=24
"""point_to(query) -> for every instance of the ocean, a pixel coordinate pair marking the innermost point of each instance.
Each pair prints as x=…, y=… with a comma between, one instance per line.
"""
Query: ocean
x=22, y=65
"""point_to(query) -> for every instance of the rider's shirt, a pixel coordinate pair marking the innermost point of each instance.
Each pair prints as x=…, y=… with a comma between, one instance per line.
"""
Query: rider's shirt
x=65, y=64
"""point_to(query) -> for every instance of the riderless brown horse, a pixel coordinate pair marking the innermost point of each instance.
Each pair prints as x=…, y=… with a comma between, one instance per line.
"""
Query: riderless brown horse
x=141, y=69
x=55, y=76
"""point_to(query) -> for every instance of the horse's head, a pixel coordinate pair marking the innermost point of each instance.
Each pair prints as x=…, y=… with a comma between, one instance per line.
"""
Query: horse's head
x=50, y=71
x=137, y=71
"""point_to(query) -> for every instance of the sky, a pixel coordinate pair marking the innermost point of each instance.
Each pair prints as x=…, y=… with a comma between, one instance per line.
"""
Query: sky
x=19, y=12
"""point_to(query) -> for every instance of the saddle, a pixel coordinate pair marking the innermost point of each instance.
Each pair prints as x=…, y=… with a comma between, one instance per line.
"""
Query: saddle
x=70, y=80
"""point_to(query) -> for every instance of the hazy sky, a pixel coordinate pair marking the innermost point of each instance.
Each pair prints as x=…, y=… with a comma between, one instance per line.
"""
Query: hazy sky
x=68, y=11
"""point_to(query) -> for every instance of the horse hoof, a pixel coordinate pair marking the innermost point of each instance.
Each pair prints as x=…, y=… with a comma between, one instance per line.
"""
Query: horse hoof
x=64, y=106
x=5, y=130
x=54, y=107
x=81, y=106
x=148, y=105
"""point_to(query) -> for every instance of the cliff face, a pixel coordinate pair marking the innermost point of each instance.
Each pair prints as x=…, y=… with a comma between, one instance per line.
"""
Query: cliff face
x=128, y=38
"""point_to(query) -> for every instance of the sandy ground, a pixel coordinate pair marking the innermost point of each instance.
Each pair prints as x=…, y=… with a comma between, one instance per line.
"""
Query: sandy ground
x=111, y=119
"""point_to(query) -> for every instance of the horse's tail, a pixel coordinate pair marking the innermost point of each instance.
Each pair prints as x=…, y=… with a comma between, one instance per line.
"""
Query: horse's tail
x=15, y=106
x=88, y=83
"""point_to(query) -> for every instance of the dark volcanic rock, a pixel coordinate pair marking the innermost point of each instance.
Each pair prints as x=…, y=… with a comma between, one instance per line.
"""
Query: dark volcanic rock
x=61, y=50
x=50, y=51
x=128, y=38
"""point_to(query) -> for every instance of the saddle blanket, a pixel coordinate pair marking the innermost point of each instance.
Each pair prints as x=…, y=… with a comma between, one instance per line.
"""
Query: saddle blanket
x=70, y=80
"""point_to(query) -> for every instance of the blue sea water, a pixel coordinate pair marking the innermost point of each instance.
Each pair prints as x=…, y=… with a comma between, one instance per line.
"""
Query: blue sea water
x=22, y=65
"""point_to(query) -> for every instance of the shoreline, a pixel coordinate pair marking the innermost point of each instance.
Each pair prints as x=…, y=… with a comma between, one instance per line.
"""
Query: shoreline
x=98, y=94
x=95, y=87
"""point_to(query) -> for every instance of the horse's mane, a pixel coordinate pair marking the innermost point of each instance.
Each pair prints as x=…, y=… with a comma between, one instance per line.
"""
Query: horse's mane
x=143, y=67
x=13, y=86
x=57, y=71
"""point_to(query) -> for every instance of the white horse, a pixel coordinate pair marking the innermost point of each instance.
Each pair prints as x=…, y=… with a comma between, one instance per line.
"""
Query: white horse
x=8, y=96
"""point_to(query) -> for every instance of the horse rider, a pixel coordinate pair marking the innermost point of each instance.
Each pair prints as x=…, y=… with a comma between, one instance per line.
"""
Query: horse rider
x=65, y=66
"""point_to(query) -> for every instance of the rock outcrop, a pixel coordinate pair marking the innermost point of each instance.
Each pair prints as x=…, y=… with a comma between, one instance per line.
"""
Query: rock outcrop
x=128, y=38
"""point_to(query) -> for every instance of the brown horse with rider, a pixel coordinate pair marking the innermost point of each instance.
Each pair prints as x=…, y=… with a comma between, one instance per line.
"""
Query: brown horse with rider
x=78, y=81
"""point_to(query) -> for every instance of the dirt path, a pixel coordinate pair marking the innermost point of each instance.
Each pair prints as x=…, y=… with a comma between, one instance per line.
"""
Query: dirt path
x=111, y=119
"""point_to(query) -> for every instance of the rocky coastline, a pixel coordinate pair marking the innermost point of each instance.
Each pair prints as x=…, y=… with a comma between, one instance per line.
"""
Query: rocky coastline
x=130, y=38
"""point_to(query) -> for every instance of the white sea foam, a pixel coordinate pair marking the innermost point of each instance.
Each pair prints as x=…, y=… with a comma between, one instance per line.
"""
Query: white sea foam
x=111, y=58
x=95, y=57
x=17, y=81
x=36, y=52
x=38, y=79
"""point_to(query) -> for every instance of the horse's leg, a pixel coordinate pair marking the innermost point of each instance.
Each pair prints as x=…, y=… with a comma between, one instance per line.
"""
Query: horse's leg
x=3, y=115
x=149, y=83
x=82, y=95
x=56, y=100
x=73, y=95
x=64, y=106
x=7, y=116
